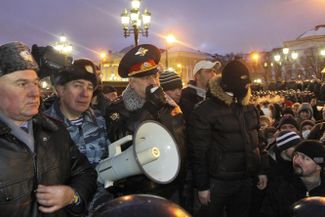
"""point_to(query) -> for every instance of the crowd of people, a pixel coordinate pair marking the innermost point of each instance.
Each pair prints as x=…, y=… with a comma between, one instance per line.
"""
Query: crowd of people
x=243, y=152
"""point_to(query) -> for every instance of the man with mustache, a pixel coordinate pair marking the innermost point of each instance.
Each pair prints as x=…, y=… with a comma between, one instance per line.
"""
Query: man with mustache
x=308, y=180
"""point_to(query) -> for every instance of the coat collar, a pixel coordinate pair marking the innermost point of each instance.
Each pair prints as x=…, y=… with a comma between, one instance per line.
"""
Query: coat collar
x=38, y=120
x=131, y=99
x=217, y=91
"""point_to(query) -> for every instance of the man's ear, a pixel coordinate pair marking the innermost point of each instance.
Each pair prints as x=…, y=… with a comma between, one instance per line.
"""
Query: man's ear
x=196, y=76
x=59, y=90
x=131, y=82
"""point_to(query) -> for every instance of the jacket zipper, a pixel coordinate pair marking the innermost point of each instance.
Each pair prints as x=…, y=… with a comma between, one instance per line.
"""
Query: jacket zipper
x=35, y=171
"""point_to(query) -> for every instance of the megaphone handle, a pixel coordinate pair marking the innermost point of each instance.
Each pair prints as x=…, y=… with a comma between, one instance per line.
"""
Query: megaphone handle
x=115, y=147
x=108, y=184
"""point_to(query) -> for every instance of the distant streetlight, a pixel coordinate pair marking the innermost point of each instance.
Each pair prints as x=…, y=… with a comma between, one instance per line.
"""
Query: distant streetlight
x=103, y=55
x=322, y=52
x=132, y=18
x=257, y=81
x=294, y=55
x=255, y=56
x=265, y=64
x=277, y=57
x=285, y=51
x=170, y=39
x=63, y=46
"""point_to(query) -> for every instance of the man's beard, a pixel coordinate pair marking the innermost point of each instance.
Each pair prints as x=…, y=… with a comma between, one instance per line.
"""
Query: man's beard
x=298, y=170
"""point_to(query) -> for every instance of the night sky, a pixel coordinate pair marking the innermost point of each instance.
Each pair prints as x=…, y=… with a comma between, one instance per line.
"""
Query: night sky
x=215, y=26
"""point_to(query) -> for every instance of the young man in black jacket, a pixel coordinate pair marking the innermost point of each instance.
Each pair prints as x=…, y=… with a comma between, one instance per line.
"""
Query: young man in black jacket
x=308, y=180
x=42, y=171
x=223, y=141
x=196, y=90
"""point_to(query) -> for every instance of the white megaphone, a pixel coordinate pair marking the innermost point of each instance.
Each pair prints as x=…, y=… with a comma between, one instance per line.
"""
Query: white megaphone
x=154, y=153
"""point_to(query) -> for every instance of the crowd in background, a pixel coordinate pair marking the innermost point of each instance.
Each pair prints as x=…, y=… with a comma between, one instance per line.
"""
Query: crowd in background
x=243, y=152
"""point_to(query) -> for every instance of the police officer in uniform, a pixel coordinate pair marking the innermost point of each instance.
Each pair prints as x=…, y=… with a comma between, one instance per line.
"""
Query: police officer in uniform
x=143, y=99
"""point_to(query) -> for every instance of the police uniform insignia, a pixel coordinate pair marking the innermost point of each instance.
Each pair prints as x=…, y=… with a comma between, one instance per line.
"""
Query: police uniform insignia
x=26, y=56
x=141, y=52
x=89, y=69
x=140, y=61
x=115, y=116
x=146, y=64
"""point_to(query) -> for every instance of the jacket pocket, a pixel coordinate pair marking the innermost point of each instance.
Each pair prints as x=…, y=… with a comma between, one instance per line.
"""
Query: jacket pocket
x=14, y=190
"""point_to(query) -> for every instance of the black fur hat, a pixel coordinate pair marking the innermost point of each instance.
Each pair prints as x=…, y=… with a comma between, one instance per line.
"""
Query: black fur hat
x=80, y=69
x=16, y=56
x=313, y=149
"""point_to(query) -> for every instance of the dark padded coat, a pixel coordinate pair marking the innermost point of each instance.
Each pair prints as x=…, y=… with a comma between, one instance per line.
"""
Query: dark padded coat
x=223, y=138
x=56, y=161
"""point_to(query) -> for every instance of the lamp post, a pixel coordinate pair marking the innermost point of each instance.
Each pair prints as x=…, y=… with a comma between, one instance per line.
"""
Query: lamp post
x=170, y=39
x=63, y=46
x=277, y=66
x=286, y=62
x=322, y=54
x=132, y=22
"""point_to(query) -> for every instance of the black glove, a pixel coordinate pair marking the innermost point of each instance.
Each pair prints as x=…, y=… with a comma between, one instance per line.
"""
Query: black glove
x=155, y=96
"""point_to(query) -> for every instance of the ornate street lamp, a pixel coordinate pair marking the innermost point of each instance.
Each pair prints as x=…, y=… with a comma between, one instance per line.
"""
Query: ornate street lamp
x=63, y=46
x=132, y=22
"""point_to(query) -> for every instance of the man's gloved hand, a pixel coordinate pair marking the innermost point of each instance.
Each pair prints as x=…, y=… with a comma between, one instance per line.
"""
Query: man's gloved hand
x=155, y=96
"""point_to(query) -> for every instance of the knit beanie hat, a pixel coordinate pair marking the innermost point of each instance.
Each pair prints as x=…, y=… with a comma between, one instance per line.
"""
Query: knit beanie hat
x=288, y=111
x=234, y=78
x=306, y=122
x=16, y=56
x=306, y=107
x=288, y=119
x=80, y=69
x=286, y=139
x=313, y=149
x=109, y=89
x=169, y=80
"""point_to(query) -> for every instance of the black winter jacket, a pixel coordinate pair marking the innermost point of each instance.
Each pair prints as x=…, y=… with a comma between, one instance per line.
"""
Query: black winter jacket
x=56, y=161
x=122, y=121
x=189, y=99
x=223, y=138
x=283, y=192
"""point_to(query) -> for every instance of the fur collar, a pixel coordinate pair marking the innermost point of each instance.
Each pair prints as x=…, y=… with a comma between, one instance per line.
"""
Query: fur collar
x=131, y=99
x=217, y=91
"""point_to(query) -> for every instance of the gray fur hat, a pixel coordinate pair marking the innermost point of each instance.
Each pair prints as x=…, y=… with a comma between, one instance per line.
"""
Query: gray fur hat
x=16, y=56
